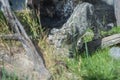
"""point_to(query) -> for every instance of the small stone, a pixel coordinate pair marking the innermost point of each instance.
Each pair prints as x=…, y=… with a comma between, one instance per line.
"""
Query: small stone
x=115, y=52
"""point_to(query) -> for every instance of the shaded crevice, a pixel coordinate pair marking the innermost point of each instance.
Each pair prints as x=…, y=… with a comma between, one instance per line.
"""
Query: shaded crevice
x=55, y=13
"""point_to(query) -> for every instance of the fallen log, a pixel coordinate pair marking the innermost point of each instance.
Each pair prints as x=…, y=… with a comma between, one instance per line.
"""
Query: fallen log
x=110, y=40
x=31, y=51
x=102, y=42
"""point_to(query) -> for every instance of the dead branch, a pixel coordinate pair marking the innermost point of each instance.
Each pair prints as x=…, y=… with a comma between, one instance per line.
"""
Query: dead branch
x=110, y=40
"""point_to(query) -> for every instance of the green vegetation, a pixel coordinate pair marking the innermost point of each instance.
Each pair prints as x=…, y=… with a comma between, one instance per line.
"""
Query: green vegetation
x=30, y=24
x=99, y=66
x=113, y=31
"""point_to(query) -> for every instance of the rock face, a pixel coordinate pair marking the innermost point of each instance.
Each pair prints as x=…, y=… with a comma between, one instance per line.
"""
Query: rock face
x=117, y=11
x=17, y=62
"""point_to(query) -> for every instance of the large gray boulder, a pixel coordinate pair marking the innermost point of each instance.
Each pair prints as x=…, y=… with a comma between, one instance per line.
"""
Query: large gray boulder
x=82, y=18
x=117, y=11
